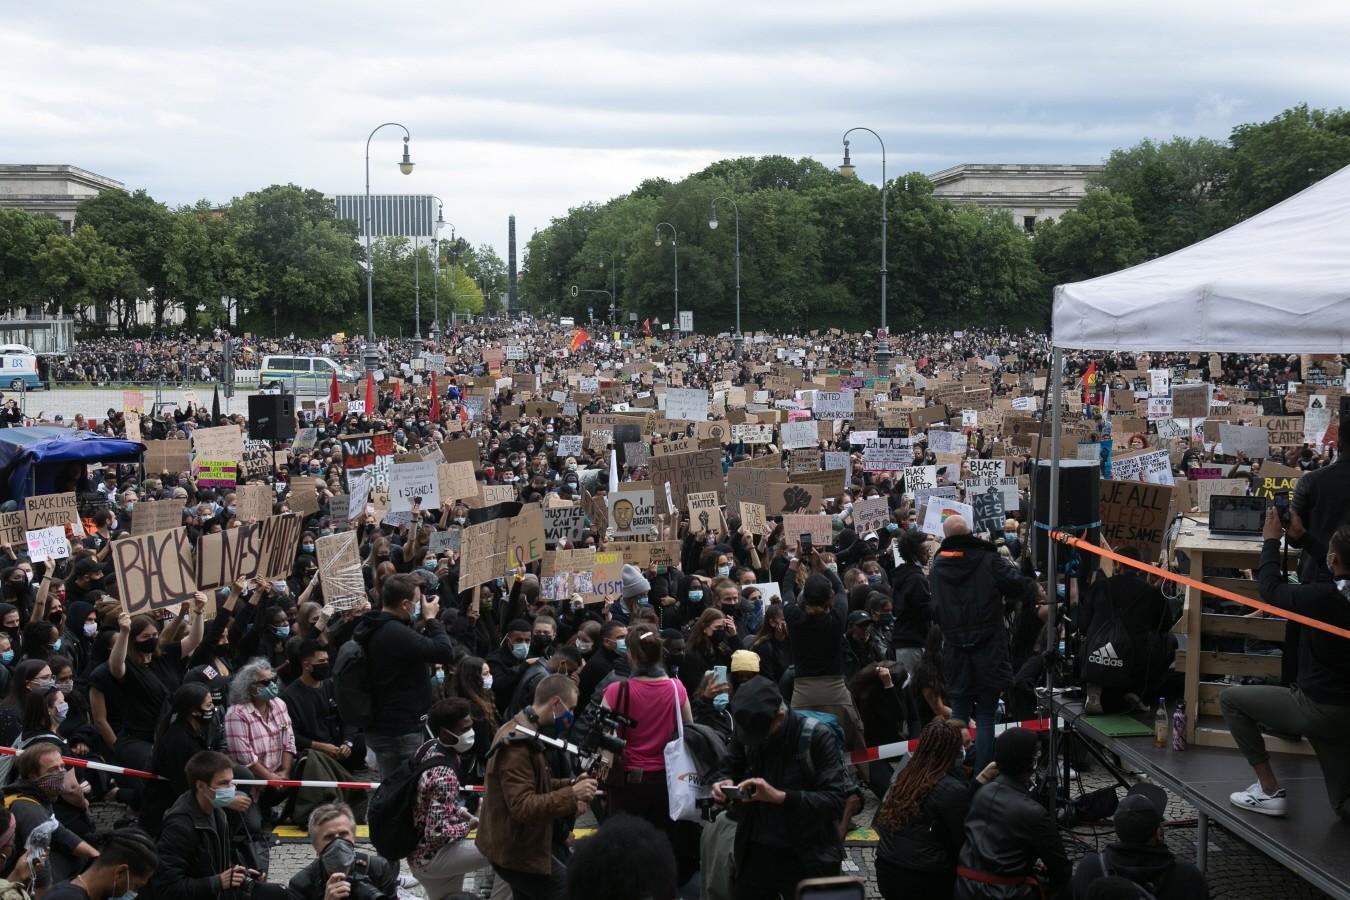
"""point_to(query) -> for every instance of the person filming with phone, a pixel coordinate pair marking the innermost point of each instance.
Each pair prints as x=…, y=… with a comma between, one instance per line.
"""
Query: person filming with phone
x=785, y=782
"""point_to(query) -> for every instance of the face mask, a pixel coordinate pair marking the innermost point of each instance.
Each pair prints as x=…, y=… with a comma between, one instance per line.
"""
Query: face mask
x=417, y=610
x=128, y=894
x=321, y=672
x=267, y=691
x=308, y=548
x=338, y=856
x=724, y=571
x=281, y=630
x=720, y=701
x=892, y=527
x=429, y=564
x=462, y=743
x=584, y=647
x=520, y=651
x=563, y=723
x=874, y=578
x=60, y=712
x=833, y=567
x=696, y=596
x=887, y=619
x=460, y=520
x=90, y=629
x=438, y=677
x=56, y=647
x=541, y=642
x=621, y=646
x=51, y=784
x=7, y=657
x=47, y=683
x=487, y=682
x=222, y=797
x=148, y=645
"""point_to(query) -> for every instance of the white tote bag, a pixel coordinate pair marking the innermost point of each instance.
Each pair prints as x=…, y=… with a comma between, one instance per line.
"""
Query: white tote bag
x=683, y=787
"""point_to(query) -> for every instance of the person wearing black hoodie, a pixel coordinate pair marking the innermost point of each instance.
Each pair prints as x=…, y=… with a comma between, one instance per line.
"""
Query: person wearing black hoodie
x=1141, y=855
x=912, y=601
x=77, y=640
x=402, y=639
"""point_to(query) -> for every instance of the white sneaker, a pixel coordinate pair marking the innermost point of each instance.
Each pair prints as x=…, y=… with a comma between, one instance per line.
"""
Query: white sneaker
x=1257, y=800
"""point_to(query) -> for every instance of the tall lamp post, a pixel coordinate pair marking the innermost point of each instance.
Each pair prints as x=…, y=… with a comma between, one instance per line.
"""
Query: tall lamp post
x=372, y=355
x=613, y=285
x=674, y=245
x=847, y=169
x=436, y=261
x=712, y=223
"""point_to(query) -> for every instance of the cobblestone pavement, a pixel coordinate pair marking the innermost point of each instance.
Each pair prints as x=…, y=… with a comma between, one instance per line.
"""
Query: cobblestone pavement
x=1236, y=871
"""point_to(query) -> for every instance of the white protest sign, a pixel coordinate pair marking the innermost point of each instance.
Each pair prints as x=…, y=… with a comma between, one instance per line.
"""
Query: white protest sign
x=942, y=441
x=48, y=543
x=799, y=435
x=414, y=480
x=1007, y=486
x=687, y=403
x=1160, y=382
x=569, y=445
x=871, y=514
x=832, y=405
x=1154, y=468
x=919, y=477
x=1159, y=408
x=986, y=468
x=940, y=509
x=749, y=433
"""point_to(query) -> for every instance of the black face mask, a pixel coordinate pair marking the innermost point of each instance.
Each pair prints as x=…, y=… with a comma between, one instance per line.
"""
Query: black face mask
x=321, y=672
x=147, y=645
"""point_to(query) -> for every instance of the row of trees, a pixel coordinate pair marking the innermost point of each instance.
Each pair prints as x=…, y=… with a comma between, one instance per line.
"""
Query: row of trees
x=273, y=260
x=810, y=238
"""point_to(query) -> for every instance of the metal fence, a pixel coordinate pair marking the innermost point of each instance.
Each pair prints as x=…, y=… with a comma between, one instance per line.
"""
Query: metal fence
x=93, y=400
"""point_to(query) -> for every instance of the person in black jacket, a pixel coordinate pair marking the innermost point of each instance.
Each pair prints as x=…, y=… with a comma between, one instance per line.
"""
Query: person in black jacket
x=401, y=640
x=1007, y=831
x=312, y=703
x=193, y=723
x=922, y=818
x=912, y=600
x=365, y=876
x=970, y=580
x=202, y=850
x=790, y=784
x=1141, y=855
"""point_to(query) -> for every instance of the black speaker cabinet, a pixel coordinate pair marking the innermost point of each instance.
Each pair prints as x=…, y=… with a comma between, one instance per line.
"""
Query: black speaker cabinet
x=271, y=417
x=1080, y=505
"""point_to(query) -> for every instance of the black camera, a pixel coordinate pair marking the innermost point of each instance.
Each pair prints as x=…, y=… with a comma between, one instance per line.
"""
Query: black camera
x=603, y=737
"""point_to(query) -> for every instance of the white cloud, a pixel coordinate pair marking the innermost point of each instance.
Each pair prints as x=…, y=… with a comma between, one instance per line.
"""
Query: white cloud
x=533, y=107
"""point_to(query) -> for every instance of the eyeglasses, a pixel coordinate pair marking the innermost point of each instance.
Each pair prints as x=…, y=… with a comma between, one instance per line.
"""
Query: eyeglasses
x=264, y=682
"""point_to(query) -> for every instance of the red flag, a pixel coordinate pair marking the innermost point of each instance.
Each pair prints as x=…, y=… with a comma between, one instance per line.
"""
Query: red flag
x=333, y=395
x=370, y=393
x=1088, y=391
x=580, y=339
x=647, y=327
x=398, y=390
x=435, y=400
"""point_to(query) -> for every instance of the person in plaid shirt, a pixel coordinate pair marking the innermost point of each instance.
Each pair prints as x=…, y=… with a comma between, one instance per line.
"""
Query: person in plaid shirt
x=258, y=728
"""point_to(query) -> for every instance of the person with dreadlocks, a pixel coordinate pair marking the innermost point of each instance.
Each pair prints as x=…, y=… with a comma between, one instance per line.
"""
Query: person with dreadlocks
x=922, y=818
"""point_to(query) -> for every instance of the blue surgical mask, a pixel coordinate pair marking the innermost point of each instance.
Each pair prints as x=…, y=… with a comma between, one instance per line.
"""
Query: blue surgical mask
x=308, y=548
x=417, y=610
x=7, y=657
x=281, y=630
x=621, y=646
x=892, y=527
x=56, y=647
x=269, y=692
x=129, y=894
x=438, y=677
x=720, y=701
x=222, y=797
x=724, y=571
x=61, y=710
x=520, y=651
x=874, y=578
x=429, y=564
x=696, y=596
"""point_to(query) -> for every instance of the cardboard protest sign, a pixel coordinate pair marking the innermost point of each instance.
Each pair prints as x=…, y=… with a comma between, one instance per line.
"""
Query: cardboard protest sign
x=303, y=499
x=753, y=517
x=647, y=554
x=802, y=461
x=449, y=539
x=564, y=523
x=262, y=549
x=12, y=530
x=498, y=493
x=166, y=456
x=939, y=509
x=525, y=537
x=49, y=510
x=1270, y=481
x=48, y=543
x=151, y=516
x=456, y=481
x=340, y=569
x=1228, y=487
x=223, y=443
x=794, y=498
x=154, y=571
x=1190, y=401
x=632, y=513
x=1283, y=431
x=704, y=512
x=799, y=435
x=462, y=450
x=820, y=528
x=1247, y=439
x=700, y=470
x=411, y=481
x=479, y=560
x=687, y=403
x=1134, y=514
x=871, y=514
x=254, y=502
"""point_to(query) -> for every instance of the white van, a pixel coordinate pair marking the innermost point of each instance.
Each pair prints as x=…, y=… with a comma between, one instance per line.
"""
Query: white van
x=301, y=371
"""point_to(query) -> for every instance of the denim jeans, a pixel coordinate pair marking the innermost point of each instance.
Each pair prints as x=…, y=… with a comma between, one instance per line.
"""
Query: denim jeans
x=392, y=749
x=983, y=706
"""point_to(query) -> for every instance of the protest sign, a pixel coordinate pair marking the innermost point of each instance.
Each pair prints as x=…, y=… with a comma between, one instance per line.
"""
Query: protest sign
x=564, y=523
x=525, y=537
x=479, y=560
x=455, y=481
x=752, y=433
x=357, y=497
x=1190, y=401
x=986, y=468
x=1159, y=382
x=1135, y=515
x=254, y=502
x=1154, y=468
x=1269, y=482
x=305, y=439
x=150, y=515
x=831, y=405
x=635, y=454
x=303, y=499
x=794, y=498
x=687, y=404
x=647, y=554
x=943, y=441
x=753, y=517
x=498, y=493
x=414, y=481
x=1246, y=439
x=48, y=543
x=700, y=470
x=886, y=459
x=12, y=530
x=569, y=445
x=48, y=510
x=940, y=509
x=820, y=528
x=449, y=539
x=1283, y=431
x=154, y=571
x=166, y=456
x=919, y=477
x=1159, y=408
x=223, y=443
x=340, y=569
x=871, y=514
x=704, y=512
x=988, y=509
x=261, y=549
x=215, y=473
x=632, y=513
x=1230, y=487
x=799, y=435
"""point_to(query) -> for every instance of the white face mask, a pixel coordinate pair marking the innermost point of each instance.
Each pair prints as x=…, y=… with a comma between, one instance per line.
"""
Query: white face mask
x=463, y=743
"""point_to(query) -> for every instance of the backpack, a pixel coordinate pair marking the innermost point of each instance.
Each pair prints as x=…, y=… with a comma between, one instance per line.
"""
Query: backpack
x=1108, y=652
x=1145, y=891
x=812, y=720
x=352, y=683
x=390, y=811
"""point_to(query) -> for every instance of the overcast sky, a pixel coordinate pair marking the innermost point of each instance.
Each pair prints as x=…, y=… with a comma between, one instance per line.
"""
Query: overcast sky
x=532, y=107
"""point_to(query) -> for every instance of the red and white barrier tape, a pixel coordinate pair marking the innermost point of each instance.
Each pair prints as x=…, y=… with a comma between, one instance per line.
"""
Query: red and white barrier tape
x=96, y=766
x=904, y=748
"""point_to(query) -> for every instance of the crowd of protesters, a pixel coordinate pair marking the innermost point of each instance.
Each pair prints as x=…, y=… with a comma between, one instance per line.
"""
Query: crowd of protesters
x=778, y=656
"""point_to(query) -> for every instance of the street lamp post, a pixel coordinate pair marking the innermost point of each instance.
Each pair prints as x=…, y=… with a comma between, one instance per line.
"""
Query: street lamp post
x=372, y=355
x=613, y=285
x=712, y=223
x=675, y=246
x=417, y=288
x=436, y=262
x=883, y=351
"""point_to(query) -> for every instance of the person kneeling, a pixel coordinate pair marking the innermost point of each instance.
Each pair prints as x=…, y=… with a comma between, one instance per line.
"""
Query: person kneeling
x=340, y=871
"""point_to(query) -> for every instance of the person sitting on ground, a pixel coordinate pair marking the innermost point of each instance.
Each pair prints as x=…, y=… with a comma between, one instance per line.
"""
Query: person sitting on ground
x=1141, y=855
x=42, y=778
x=127, y=859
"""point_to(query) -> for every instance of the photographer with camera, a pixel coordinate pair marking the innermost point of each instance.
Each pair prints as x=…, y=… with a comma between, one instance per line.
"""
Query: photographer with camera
x=784, y=778
x=522, y=799
x=340, y=871
x=203, y=851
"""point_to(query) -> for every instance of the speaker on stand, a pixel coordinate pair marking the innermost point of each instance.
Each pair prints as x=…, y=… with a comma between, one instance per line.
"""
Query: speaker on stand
x=1079, y=509
x=271, y=417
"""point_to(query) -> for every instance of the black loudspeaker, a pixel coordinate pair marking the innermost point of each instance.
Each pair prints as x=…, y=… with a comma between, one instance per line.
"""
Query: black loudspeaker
x=1080, y=506
x=271, y=417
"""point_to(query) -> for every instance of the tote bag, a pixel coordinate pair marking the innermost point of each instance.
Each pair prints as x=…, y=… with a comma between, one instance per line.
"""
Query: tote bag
x=683, y=787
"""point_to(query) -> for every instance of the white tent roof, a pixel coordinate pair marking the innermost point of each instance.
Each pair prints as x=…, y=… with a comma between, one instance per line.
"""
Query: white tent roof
x=1277, y=283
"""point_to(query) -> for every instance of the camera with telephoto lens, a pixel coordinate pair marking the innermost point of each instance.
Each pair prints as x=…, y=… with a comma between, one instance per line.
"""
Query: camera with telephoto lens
x=603, y=736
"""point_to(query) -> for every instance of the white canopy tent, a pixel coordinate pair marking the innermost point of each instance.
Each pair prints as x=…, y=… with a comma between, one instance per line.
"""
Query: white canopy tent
x=1277, y=283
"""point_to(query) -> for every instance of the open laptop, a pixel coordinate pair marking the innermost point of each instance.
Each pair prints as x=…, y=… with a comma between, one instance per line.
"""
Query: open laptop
x=1237, y=518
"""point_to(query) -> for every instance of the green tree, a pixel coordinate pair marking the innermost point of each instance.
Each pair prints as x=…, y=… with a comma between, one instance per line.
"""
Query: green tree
x=1273, y=160
x=1099, y=237
x=83, y=271
x=22, y=236
x=1175, y=189
x=142, y=228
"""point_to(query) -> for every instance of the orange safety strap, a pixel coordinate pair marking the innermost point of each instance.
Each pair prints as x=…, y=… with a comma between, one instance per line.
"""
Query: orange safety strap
x=1081, y=544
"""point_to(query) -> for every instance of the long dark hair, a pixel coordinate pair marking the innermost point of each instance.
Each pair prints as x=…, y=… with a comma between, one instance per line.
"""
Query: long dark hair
x=24, y=672
x=939, y=745
x=468, y=684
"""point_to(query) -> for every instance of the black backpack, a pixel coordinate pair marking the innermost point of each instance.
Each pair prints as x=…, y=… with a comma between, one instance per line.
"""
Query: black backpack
x=390, y=812
x=1108, y=652
x=352, y=683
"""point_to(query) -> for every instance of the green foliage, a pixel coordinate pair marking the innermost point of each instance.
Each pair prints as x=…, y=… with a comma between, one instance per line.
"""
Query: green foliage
x=22, y=237
x=1099, y=237
x=1175, y=189
x=1274, y=160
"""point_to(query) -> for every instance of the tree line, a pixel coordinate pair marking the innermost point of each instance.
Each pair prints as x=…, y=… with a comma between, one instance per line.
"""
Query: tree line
x=277, y=259
x=810, y=237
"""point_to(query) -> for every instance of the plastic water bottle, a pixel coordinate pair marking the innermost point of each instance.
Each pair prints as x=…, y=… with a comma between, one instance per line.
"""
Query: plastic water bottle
x=1179, y=726
x=1160, y=723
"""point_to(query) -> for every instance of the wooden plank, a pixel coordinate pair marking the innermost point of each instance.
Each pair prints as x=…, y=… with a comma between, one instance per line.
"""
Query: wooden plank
x=1214, y=663
x=1242, y=586
x=1263, y=629
x=1220, y=736
x=1190, y=663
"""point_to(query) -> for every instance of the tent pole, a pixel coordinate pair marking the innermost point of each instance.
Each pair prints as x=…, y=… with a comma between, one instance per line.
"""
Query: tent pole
x=1051, y=577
